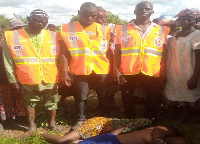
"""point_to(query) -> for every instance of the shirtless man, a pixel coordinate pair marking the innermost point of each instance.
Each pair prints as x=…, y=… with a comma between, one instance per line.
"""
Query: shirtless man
x=153, y=135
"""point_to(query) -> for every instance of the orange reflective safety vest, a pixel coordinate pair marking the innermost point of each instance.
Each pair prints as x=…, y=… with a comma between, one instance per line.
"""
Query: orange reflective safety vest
x=141, y=54
x=87, y=54
x=32, y=66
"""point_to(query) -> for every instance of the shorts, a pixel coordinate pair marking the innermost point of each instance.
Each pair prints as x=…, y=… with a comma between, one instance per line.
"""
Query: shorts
x=102, y=139
x=49, y=97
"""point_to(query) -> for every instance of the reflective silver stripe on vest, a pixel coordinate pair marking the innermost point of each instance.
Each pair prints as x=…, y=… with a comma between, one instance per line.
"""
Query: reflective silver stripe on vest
x=124, y=34
x=130, y=51
x=97, y=52
x=103, y=29
x=72, y=33
x=17, y=42
x=150, y=51
x=53, y=36
x=161, y=31
x=80, y=51
x=48, y=60
x=27, y=60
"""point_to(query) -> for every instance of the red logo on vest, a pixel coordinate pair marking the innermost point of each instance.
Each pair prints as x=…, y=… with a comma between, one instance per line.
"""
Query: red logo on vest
x=159, y=42
x=103, y=45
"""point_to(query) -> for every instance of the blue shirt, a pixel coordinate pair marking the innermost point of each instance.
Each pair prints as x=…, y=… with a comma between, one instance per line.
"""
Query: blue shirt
x=102, y=139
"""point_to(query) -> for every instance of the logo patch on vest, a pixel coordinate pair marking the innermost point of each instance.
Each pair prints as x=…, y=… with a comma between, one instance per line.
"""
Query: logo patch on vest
x=103, y=45
x=159, y=42
x=125, y=39
x=91, y=33
x=54, y=49
x=73, y=38
x=18, y=47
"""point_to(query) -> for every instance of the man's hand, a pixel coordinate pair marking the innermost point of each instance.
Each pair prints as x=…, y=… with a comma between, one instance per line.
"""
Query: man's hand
x=15, y=87
x=163, y=76
x=163, y=80
x=116, y=76
x=192, y=83
x=67, y=81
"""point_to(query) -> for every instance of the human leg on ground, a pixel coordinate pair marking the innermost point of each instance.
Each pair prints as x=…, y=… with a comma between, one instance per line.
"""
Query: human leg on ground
x=31, y=118
x=81, y=94
x=153, y=93
x=101, y=82
x=50, y=102
x=128, y=98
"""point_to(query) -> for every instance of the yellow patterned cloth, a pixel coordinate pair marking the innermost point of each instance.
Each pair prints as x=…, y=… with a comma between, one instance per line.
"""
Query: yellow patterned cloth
x=103, y=125
x=94, y=126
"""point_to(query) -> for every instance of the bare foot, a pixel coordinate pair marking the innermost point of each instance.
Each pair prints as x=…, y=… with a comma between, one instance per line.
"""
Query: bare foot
x=32, y=127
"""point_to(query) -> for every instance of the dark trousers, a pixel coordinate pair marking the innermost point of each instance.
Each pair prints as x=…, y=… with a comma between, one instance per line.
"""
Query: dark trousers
x=152, y=91
x=81, y=84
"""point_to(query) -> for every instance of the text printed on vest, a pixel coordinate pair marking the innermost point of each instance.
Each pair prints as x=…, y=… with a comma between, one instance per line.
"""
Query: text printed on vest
x=126, y=38
x=73, y=38
x=18, y=47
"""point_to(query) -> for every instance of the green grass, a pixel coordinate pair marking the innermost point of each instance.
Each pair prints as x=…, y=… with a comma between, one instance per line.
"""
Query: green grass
x=190, y=130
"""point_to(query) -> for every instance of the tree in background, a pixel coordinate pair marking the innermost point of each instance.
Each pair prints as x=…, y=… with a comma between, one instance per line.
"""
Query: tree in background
x=24, y=19
x=4, y=21
x=74, y=18
x=111, y=18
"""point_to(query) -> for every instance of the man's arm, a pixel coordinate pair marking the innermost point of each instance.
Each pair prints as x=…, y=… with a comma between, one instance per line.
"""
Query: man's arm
x=10, y=69
x=193, y=81
x=68, y=138
x=109, y=55
x=63, y=64
x=117, y=61
x=9, y=64
x=163, y=65
x=160, y=133
x=56, y=139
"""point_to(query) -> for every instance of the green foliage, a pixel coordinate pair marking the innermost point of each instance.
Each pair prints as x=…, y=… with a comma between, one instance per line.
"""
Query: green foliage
x=111, y=18
x=74, y=18
x=4, y=22
x=37, y=139
x=7, y=140
x=190, y=129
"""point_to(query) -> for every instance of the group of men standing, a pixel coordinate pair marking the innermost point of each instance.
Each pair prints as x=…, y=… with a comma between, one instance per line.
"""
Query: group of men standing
x=37, y=59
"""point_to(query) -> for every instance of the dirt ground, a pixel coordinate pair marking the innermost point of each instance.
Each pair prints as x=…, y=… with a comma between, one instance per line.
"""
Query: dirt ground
x=17, y=128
